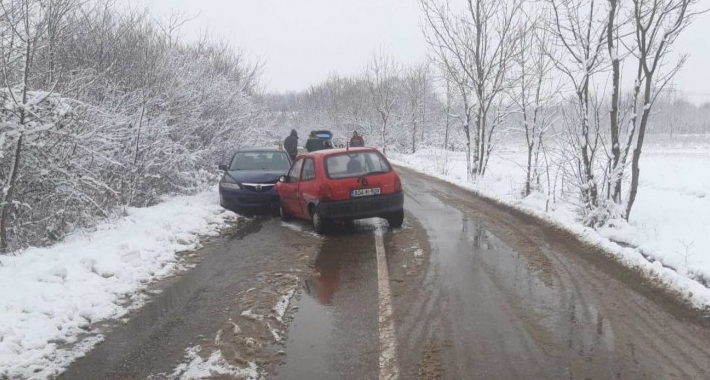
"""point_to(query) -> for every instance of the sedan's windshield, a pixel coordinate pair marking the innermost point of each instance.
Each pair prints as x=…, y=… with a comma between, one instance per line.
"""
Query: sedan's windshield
x=356, y=164
x=273, y=161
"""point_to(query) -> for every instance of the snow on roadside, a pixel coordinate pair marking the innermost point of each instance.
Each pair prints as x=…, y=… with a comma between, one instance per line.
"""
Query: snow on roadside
x=669, y=233
x=300, y=226
x=52, y=298
x=195, y=367
x=282, y=305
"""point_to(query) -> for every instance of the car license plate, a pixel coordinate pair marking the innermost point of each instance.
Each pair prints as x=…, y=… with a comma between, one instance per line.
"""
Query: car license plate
x=364, y=192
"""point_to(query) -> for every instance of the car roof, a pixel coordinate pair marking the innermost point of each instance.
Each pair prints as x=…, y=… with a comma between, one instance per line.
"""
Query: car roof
x=328, y=152
x=244, y=150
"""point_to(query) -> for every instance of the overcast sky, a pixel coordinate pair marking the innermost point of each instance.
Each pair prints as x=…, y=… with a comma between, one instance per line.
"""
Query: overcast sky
x=301, y=42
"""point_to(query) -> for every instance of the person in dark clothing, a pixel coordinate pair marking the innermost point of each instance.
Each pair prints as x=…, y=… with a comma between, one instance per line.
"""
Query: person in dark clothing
x=291, y=145
x=313, y=143
x=357, y=140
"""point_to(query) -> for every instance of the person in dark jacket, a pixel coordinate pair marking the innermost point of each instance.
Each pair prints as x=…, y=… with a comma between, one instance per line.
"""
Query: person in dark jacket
x=313, y=143
x=291, y=145
x=357, y=140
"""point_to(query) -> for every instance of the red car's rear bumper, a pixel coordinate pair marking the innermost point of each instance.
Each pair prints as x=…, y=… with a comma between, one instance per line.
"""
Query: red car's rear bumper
x=361, y=208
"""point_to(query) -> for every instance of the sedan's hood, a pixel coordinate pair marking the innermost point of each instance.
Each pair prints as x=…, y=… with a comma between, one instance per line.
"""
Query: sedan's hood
x=255, y=176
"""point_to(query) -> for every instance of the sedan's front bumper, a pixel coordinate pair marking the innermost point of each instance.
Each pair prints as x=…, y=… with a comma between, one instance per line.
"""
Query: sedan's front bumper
x=247, y=200
x=361, y=208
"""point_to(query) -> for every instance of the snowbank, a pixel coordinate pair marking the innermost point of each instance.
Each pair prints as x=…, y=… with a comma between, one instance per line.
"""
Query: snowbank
x=197, y=368
x=669, y=230
x=51, y=298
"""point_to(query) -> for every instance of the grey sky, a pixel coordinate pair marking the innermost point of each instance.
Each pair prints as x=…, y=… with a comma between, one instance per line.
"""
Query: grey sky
x=302, y=41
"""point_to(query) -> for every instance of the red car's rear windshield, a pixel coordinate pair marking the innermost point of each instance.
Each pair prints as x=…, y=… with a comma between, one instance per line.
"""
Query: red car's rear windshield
x=356, y=164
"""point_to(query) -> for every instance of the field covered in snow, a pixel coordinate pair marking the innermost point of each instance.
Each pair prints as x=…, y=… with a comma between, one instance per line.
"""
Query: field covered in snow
x=52, y=298
x=669, y=229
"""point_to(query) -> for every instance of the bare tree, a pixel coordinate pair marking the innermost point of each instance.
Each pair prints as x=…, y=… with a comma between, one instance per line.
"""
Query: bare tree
x=416, y=84
x=579, y=28
x=23, y=28
x=535, y=95
x=463, y=90
x=616, y=166
x=382, y=75
x=658, y=23
x=480, y=41
x=449, y=96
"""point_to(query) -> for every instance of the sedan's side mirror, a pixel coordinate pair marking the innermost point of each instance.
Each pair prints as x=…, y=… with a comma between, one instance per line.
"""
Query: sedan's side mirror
x=223, y=167
x=283, y=178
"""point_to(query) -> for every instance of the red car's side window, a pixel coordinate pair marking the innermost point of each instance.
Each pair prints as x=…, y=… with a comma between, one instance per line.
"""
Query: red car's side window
x=295, y=171
x=309, y=170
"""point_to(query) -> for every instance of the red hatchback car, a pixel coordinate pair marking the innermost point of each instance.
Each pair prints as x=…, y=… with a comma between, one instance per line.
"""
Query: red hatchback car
x=340, y=184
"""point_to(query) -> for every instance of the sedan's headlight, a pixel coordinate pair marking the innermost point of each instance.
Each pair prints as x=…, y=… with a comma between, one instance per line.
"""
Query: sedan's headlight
x=231, y=186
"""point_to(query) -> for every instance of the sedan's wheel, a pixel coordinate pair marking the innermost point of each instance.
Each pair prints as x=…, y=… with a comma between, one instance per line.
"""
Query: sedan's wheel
x=285, y=216
x=396, y=219
x=319, y=223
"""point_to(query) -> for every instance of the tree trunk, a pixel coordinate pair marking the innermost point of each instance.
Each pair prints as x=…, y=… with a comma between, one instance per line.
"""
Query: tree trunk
x=448, y=115
x=469, y=167
x=528, y=178
x=635, y=163
x=7, y=196
x=483, y=147
x=12, y=178
x=421, y=128
x=384, y=141
x=414, y=137
x=477, y=146
x=446, y=131
x=467, y=131
x=616, y=165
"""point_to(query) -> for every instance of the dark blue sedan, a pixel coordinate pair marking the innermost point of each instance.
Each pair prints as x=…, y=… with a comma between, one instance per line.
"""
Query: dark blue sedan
x=247, y=185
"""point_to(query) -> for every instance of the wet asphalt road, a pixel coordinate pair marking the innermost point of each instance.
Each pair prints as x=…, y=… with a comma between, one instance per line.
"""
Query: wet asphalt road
x=478, y=293
x=506, y=298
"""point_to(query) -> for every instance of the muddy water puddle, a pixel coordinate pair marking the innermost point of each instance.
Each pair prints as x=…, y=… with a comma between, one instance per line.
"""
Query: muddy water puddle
x=505, y=298
x=488, y=306
x=309, y=340
x=333, y=334
x=467, y=249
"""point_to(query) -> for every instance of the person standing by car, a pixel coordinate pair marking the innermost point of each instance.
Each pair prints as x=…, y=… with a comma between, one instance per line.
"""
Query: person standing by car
x=291, y=145
x=357, y=140
x=313, y=143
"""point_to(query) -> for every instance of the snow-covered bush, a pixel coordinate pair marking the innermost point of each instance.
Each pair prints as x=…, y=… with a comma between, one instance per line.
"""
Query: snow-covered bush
x=105, y=110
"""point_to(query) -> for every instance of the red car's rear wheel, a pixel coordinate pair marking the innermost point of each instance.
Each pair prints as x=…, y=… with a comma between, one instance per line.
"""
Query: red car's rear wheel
x=320, y=224
x=396, y=219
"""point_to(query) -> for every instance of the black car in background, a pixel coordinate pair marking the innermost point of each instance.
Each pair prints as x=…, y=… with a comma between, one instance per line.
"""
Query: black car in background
x=319, y=140
x=247, y=185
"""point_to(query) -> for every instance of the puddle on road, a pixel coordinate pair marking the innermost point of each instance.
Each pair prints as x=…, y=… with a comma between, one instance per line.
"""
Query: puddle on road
x=308, y=340
x=318, y=344
x=467, y=246
x=524, y=297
